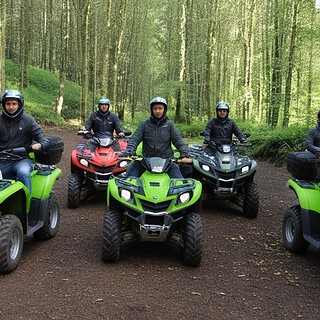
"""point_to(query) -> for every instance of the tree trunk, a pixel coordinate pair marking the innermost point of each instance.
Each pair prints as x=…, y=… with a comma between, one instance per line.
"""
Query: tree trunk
x=85, y=60
x=287, y=96
x=3, y=22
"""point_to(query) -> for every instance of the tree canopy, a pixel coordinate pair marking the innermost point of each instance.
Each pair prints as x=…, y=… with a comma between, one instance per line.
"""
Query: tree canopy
x=260, y=56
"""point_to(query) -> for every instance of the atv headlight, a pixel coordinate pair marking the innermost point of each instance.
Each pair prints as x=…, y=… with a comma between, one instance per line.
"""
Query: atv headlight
x=205, y=167
x=244, y=169
x=184, y=197
x=123, y=163
x=125, y=194
x=84, y=162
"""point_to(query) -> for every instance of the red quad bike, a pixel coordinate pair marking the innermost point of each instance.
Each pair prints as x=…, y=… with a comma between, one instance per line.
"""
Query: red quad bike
x=91, y=170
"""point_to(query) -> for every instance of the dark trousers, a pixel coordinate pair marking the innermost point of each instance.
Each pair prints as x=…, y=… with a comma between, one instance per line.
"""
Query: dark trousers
x=136, y=169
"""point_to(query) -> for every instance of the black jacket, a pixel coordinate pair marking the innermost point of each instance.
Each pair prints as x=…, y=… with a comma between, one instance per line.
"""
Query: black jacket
x=312, y=141
x=103, y=124
x=20, y=132
x=156, y=137
x=221, y=132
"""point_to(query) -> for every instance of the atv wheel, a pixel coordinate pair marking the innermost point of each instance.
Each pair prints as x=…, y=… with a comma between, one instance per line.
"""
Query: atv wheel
x=192, y=237
x=11, y=243
x=111, y=236
x=292, y=231
x=74, y=191
x=51, y=225
x=251, y=200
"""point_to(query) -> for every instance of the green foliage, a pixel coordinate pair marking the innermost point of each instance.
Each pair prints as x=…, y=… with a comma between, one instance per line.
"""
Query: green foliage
x=273, y=145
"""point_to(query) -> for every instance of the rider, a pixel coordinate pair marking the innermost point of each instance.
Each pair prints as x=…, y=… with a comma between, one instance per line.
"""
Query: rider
x=156, y=133
x=18, y=129
x=219, y=130
x=103, y=123
x=312, y=141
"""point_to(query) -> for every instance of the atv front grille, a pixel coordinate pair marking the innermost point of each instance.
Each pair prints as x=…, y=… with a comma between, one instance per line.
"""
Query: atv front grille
x=103, y=169
x=155, y=207
x=226, y=175
x=155, y=220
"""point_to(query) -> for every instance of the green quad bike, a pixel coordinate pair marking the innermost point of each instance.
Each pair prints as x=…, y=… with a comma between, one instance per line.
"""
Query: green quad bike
x=153, y=208
x=301, y=222
x=24, y=214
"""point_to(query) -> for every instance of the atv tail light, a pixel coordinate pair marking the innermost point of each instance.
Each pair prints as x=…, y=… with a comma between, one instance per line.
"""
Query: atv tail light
x=244, y=169
x=84, y=162
x=125, y=194
x=123, y=163
x=205, y=167
x=184, y=197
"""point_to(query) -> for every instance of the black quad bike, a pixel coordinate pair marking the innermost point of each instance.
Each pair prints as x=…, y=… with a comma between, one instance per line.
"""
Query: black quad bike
x=153, y=208
x=24, y=214
x=227, y=175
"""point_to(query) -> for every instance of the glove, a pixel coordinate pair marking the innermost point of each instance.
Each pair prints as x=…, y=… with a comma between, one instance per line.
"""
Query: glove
x=126, y=154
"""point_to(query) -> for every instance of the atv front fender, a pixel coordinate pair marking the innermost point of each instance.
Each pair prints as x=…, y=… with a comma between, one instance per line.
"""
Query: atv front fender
x=43, y=181
x=307, y=192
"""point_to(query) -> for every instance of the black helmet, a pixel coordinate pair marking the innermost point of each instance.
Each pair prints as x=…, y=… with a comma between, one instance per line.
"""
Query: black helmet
x=16, y=95
x=158, y=100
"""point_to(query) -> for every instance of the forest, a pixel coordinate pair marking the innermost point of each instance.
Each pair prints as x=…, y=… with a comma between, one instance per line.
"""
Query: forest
x=260, y=56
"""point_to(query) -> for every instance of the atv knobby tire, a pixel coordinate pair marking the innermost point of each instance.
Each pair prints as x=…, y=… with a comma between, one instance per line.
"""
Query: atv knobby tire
x=251, y=200
x=192, y=240
x=111, y=236
x=292, y=231
x=11, y=242
x=51, y=225
x=74, y=191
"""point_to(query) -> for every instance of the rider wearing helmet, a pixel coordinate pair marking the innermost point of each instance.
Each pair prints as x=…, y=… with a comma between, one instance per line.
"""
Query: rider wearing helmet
x=312, y=141
x=18, y=130
x=156, y=134
x=220, y=129
x=103, y=123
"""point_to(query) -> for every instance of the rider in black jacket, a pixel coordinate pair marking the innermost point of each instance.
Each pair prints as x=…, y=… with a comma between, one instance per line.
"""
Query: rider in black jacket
x=219, y=130
x=18, y=130
x=157, y=134
x=312, y=141
x=103, y=123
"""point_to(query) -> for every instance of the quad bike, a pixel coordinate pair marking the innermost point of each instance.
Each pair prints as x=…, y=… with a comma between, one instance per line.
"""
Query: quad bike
x=301, y=222
x=91, y=170
x=24, y=214
x=227, y=174
x=153, y=208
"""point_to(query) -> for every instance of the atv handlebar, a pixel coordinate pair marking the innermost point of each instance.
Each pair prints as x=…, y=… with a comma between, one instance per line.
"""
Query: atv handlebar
x=88, y=134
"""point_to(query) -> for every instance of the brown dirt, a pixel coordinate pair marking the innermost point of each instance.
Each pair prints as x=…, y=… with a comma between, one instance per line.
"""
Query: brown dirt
x=245, y=273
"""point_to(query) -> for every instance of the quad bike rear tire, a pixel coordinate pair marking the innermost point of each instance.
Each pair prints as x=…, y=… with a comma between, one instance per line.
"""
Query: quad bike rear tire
x=192, y=240
x=111, y=236
x=74, y=191
x=51, y=225
x=251, y=200
x=11, y=242
x=292, y=231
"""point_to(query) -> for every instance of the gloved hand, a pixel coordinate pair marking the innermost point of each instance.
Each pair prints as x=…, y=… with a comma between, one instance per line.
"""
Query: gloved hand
x=126, y=154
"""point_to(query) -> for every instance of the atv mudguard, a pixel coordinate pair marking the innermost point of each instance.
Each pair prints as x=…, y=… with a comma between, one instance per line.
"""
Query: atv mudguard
x=15, y=197
x=308, y=194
